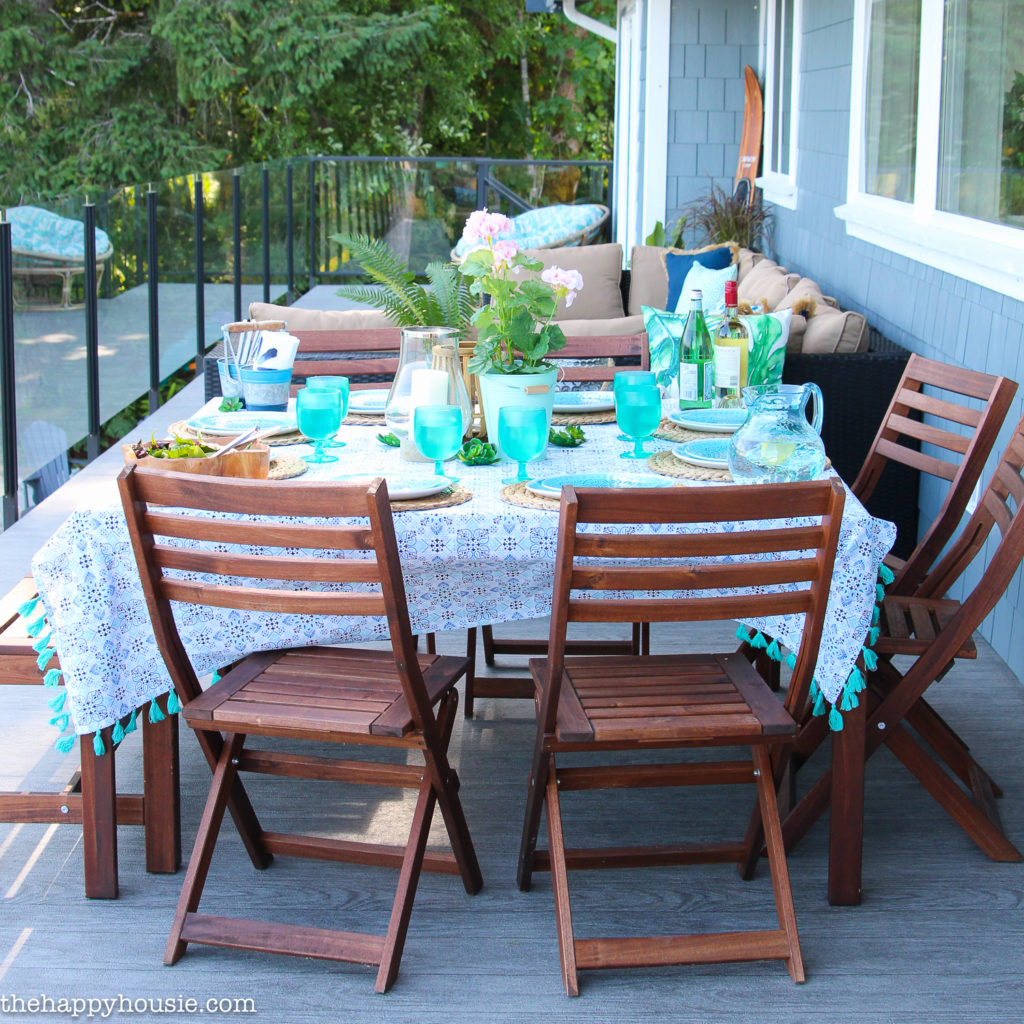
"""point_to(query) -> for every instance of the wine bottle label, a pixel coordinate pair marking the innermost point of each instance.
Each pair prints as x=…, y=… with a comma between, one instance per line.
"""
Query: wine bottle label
x=696, y=381
x=727, y=366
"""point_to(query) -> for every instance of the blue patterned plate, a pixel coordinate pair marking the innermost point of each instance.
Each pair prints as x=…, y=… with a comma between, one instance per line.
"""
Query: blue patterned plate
x=401, y=488
x=583, y=401
x=711, y=421
x=368, y=402
x=712, y=454
x=231, y=423
x=551, y=486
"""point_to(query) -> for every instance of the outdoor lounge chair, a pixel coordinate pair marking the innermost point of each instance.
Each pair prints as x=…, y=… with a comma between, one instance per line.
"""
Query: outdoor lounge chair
x=549, y=227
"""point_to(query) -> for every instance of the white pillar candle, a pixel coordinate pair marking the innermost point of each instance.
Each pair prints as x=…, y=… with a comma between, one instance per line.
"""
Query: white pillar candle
x=429, y=387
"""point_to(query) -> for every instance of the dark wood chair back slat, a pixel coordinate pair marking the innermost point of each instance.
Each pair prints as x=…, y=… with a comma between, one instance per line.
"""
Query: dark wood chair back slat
x=955, y=456
x=613, y=349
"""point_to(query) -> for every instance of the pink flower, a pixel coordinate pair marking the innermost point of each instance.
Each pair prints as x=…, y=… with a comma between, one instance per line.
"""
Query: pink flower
x=482, y=226
x=567, y=283
x=504, y=252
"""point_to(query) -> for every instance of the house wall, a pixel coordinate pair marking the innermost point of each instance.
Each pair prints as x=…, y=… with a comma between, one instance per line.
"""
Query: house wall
x=710, y=42
x=936, y=314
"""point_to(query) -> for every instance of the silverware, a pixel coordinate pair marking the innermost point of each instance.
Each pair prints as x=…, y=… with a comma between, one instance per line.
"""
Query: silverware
x=249, y=436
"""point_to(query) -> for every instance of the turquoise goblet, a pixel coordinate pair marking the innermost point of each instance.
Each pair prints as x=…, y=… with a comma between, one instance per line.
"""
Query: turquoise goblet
x=638, y=413
x=523, y=435
x=339, y=384
x=626, y=379
x=319, y=414
x=437, y=431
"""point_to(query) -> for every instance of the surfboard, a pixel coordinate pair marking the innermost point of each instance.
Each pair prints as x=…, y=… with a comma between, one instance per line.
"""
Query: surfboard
x=750, y=140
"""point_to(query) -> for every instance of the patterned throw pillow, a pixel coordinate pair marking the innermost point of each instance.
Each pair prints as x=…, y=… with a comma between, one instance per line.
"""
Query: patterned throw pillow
x=679, y=261
x=712, y=283
x=769, y=333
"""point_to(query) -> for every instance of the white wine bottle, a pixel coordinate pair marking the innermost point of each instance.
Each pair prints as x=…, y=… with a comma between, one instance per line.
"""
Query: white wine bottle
x=732, y=347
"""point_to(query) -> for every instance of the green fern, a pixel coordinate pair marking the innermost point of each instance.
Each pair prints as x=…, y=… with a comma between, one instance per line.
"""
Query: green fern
x=448, y=303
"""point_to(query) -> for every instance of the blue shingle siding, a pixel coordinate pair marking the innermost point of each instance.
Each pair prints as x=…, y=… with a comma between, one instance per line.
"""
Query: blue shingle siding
x=937, y=314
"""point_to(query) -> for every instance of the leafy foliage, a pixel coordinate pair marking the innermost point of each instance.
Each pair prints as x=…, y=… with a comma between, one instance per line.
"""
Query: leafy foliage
x=718, y=217
x=571, y=437
x=447, y=303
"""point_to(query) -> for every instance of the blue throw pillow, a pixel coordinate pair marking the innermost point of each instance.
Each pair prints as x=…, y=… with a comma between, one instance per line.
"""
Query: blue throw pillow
x=678, y=266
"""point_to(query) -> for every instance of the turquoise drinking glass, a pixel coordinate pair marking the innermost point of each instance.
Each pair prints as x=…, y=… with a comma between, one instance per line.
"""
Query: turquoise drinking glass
x=626, y=379
x=339, y=384
x=523, y=435
x=437, y=431
x=638, y=413
x=319, y=414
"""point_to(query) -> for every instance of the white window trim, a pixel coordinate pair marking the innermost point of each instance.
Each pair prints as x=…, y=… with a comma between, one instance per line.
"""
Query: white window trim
x=991, y=255
x=780, y=188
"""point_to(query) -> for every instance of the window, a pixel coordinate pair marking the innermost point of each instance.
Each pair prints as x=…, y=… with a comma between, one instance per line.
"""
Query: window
x=936, y=167
x=781, y=41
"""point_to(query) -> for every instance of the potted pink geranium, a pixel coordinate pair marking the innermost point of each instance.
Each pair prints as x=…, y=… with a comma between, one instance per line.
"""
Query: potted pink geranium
x=515, y=330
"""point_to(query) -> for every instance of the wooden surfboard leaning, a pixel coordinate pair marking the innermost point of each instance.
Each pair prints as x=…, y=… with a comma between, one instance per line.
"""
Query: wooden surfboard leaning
x=750, y=141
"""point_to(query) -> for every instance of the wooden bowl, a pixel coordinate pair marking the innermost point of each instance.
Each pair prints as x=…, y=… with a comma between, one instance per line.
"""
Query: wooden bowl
x=251, y=464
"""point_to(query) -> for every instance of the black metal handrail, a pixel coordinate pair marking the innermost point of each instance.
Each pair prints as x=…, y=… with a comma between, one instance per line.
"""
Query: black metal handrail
x=145, y=251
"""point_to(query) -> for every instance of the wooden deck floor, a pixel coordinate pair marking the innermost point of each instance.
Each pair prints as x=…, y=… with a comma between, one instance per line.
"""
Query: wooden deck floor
x=939, y=937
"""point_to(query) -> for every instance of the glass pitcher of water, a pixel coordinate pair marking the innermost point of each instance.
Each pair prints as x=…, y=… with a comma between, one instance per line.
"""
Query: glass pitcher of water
x=776, y=443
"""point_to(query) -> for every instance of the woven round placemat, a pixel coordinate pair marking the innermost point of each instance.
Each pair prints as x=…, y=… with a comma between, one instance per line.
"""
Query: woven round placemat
x=182, y=429
x=517, y=494
x=359, y=420
x=669, y=431
x=582, y=419
x=666, y=464
x=284, y=467
x=457, y=495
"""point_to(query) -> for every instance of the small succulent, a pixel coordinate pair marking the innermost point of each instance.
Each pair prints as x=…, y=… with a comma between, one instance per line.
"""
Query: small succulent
x=231, y=405
x=477, y=453
x=389, y=439
x=571, y=437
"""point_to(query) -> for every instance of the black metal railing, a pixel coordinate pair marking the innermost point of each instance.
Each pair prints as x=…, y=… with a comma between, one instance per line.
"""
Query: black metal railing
x=209, y=228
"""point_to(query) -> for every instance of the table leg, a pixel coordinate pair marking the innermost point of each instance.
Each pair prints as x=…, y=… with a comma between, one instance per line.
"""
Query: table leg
x=162, y=794
x=846, y=823
x=99, y=819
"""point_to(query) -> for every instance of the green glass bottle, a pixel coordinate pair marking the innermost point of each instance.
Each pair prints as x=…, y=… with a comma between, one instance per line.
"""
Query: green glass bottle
x=696, y=359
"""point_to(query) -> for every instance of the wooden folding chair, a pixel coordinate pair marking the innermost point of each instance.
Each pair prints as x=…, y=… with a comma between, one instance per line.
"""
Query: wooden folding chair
x=333, y=695
x=676, y=702
x=935, y=631
x=953, y=455
x=612, y=351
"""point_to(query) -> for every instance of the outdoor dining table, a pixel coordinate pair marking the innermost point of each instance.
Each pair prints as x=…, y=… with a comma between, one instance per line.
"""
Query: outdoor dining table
x=482, y=561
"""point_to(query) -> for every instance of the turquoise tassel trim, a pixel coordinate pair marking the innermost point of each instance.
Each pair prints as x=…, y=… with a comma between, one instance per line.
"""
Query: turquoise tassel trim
x=61, y=721
x=758, y=642
x=855, y=683
x=118, y=734
x=849, y=701
x=155, y=714
x=216, y=677
x=773, y=651
x=35, y=628
x=819, y=705
x=65, y=744
x=52, y=677
x=26, y=609
x=57, y=702
x=879, y=592
x=875, y=616
x=44, y=658
x=791, y=660
x=132, y=725
x=886, y=574
x=870, y=659
x=97, y=745
x=814, y=691
x=742, y=633
x=173, y=704
x=40, y=645
x=835, y=720
x=873, y=634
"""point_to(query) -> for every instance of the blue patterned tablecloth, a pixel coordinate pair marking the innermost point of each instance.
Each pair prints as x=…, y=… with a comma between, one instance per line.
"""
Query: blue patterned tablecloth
x=484, y=561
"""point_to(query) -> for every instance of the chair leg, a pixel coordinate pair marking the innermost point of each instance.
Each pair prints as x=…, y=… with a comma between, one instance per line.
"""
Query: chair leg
x=99, y=820
x=431, y=643
x=777, y=860
x=162, y=806
x=488, y=638
x=224, y=776
x=531, y=819
x=560, y=885
x=401, y=910
x=471, y=671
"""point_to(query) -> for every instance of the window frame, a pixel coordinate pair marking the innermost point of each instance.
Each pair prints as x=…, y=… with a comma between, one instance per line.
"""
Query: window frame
x=778, y=187
x=980, y=251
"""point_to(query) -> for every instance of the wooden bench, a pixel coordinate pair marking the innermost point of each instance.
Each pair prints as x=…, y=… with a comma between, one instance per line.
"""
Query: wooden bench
x=90, y=798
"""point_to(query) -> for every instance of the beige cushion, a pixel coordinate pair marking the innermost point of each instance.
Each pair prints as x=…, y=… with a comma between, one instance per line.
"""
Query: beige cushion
x=602, y=328
x=797, y=327
x=648, y=275
x=601, y=266
x=746, y=260
x=321, y=319
x=767, y=285
x=805, y=288
x=831, y=331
